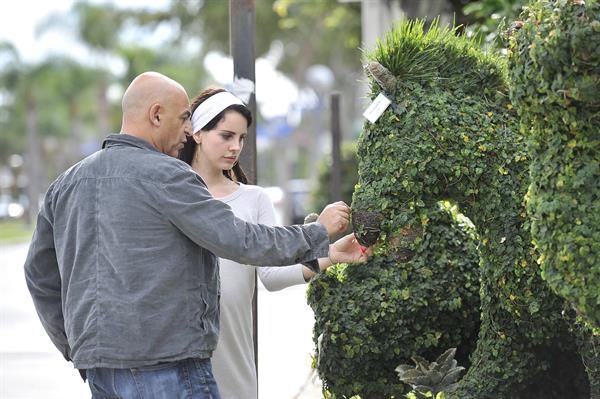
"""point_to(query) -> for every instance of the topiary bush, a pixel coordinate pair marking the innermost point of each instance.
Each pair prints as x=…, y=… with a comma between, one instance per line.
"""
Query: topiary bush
x=370, y=318
x=554, y=66
x=450, y=134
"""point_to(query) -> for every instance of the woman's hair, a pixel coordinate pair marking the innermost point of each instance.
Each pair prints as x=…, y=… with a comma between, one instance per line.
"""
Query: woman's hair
x=189, y=149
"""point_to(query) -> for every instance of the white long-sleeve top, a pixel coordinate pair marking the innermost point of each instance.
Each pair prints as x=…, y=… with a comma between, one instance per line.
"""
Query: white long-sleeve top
x=233, y=360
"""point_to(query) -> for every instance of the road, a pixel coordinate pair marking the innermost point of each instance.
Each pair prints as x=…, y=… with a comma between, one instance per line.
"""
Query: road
x=31, y=367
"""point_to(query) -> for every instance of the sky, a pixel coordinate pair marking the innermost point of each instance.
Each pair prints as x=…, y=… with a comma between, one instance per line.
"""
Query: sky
x=275, y=92
x=19, y=19
x=17, y=25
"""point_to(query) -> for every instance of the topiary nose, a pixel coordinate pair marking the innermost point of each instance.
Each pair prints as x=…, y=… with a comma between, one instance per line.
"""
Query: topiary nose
x=366, y=226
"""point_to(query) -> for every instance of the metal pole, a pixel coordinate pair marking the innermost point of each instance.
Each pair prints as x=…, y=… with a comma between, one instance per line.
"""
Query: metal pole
x=242, y=22
x=242, y=16
x=336, y=152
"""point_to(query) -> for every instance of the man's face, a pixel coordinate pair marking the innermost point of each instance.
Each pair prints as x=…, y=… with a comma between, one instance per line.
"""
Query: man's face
x=176, y=124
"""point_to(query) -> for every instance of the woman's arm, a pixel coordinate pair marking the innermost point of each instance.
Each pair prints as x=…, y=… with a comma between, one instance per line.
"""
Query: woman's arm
x=276, y=278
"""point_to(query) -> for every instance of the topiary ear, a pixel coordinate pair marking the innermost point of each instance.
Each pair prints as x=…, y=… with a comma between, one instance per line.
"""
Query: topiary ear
x=381, y=75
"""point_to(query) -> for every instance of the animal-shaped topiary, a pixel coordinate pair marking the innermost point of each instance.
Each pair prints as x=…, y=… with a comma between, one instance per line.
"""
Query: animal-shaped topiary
x=554, y=67
x=451, y=134
x=418, y=297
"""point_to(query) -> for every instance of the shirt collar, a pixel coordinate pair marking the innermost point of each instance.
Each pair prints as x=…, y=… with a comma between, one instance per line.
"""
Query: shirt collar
x=124, y=139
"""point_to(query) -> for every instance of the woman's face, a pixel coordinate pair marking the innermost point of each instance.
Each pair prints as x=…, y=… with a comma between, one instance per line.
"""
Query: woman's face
x=220, y=147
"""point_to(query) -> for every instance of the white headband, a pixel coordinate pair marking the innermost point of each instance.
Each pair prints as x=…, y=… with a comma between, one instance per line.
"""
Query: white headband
x=211, y=107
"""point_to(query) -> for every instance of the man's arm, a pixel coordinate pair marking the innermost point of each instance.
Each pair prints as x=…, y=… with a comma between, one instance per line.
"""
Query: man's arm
x=43, y=278
x=211, y=224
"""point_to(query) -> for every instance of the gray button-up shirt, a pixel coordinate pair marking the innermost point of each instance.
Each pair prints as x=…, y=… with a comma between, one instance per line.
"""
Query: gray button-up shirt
x=122, y=266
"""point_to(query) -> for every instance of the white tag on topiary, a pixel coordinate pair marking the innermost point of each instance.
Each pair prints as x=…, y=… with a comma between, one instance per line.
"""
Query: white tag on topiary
x=374, y=111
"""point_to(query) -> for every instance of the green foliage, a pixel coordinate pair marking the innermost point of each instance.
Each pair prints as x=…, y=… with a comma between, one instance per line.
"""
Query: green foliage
x=185, y=70
x=57, y=93
x=66, y=99
x=14, y=231
x=315, y=31
x=431, y=378
x=588, y=342
x=438, y=55
x=554, y=64
x=488, y=11
x=488, y=17
x=10, y=65
x=335, y=24
x=370, y=318
x=452, y=134
x=99, y=24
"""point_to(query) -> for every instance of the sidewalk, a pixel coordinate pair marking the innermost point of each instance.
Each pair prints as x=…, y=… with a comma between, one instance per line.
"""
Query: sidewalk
x=30, y=365
x=284, y=363
x=31, y=368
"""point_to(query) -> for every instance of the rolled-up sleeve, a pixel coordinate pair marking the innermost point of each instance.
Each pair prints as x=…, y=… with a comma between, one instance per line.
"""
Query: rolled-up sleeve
x=211, y=224
x=43, y=278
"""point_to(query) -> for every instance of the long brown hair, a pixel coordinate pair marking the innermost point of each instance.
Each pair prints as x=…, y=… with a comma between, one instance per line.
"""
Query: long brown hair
x=189, y=149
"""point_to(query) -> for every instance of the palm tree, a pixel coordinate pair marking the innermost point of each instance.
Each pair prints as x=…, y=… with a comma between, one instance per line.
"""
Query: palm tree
x=73, y=86
x=98, y=27
x=50, y=94
x=17, y=81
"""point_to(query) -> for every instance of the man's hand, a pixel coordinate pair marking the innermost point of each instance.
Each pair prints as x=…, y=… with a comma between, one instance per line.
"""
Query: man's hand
x=335, y=218
x=348, y=250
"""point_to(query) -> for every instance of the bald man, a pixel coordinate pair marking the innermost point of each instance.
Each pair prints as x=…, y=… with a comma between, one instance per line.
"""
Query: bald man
x=122, y=267
x=157, y=109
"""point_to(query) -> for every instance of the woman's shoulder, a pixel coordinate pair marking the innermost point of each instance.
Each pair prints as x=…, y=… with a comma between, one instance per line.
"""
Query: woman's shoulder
x=253, y=190
x=255, y=197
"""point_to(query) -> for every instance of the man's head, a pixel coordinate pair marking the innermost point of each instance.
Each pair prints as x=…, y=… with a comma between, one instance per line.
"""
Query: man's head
x=157, y=109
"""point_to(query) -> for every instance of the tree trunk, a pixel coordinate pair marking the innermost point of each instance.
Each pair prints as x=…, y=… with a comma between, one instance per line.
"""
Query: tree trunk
x=103, y=111
x=76, y=139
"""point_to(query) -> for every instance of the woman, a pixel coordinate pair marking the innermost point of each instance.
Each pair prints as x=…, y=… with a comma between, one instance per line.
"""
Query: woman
x=220, y=123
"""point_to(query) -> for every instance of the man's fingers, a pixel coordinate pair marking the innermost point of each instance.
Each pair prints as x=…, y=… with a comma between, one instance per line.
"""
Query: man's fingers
x=343, y=206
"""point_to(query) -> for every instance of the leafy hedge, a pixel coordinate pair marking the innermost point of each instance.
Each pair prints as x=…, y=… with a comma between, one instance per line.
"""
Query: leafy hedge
x=370, y=318
x=451, y=134
x=554, y=65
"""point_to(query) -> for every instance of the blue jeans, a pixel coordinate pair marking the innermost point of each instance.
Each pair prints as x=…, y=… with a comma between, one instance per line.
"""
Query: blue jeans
x=184, y=379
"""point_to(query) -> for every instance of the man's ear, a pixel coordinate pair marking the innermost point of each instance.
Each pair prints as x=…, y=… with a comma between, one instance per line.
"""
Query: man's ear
x=154, y=114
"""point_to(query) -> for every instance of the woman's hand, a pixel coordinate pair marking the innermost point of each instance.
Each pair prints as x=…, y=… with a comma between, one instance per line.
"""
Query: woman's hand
x=348, y=250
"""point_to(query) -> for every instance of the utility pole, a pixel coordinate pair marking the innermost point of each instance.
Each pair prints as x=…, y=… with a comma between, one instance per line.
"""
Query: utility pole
x=242, y=22
x=336, y=151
